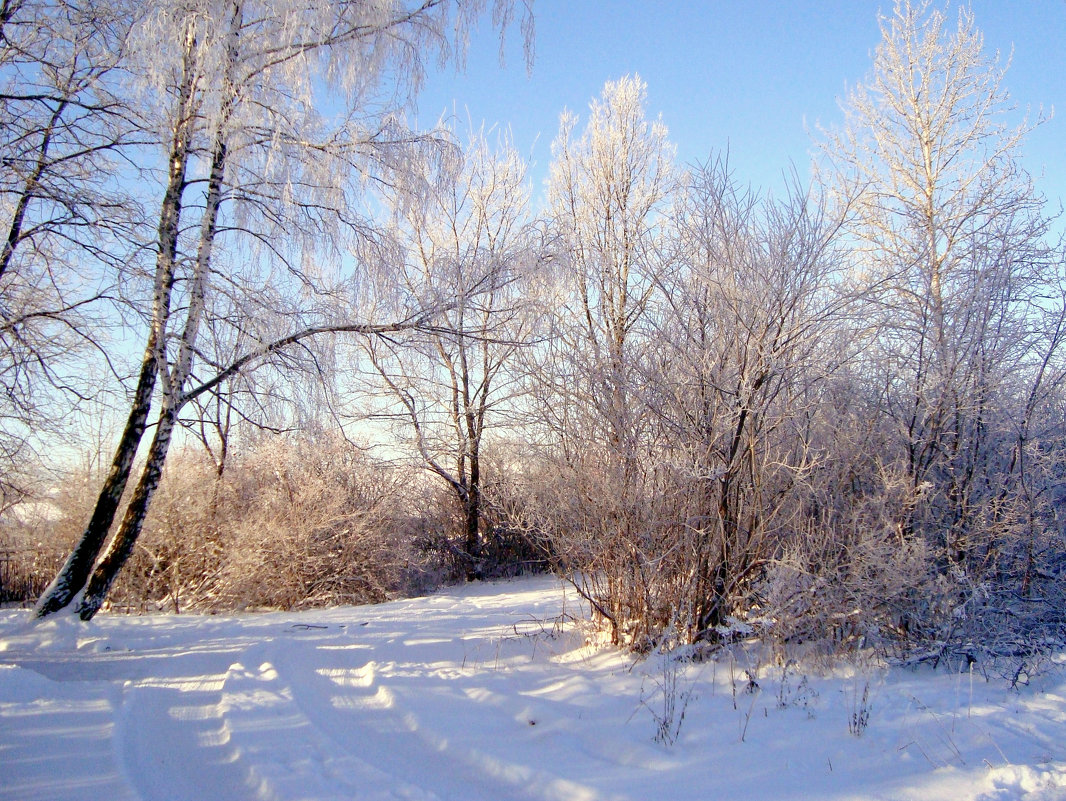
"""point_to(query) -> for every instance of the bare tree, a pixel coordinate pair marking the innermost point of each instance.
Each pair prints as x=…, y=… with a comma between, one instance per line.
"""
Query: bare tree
x=963, y=303
x=68, y=225
x=607, y=191
x=461, y=232
x=609, y=188
x=949, y=235
x=745, y=341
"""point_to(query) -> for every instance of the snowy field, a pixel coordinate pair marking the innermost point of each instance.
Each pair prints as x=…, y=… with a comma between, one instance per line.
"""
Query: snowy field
x=486, y=693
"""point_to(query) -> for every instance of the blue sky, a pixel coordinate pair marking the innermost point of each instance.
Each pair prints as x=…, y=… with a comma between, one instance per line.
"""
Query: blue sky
x=756, y=77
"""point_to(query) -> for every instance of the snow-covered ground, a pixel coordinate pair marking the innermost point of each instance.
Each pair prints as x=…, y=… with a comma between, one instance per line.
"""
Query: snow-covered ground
x=486, y=693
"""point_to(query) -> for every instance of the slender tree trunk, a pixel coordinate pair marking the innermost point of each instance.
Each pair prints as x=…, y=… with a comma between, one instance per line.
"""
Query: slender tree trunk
x=76, y=570
x=122, y=543
x=173, y=381
x=14, y=233
x=472, y=508
x=126, y=537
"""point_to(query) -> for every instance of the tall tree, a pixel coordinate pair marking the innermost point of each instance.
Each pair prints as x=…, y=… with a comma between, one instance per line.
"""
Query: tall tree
x=608, y=189
x=240, y=109
x=67, y=225
x=745, y=339
x=949, y=237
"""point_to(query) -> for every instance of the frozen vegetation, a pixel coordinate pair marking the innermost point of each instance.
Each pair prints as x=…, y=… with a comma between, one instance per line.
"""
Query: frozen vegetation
x=263, y=346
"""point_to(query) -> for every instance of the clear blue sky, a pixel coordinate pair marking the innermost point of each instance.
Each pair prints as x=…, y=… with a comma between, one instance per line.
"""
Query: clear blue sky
x=756, y=77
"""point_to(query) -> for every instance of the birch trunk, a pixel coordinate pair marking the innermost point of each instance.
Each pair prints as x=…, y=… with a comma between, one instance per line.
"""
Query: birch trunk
x=76, y=570
x=125, y=538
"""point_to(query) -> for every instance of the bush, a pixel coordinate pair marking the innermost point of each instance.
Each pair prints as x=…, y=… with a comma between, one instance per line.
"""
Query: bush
x=293, y=523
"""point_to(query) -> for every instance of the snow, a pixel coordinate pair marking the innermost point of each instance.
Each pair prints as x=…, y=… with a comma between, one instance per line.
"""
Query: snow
x=485, y=693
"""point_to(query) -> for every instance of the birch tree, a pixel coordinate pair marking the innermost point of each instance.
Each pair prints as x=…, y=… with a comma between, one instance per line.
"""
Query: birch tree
x=239, y=87
x=67, y=225
x=607, y=189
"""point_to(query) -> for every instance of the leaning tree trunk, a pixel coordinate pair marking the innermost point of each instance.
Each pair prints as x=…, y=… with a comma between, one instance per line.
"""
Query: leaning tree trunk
x=72, y=578
x=126, y=537
x=75, y=571
x=30, y=189
x=122, y=543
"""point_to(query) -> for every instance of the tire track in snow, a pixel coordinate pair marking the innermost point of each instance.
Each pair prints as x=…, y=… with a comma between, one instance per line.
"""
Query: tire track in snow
x=361, y=714
x=167, y=726
x=287, y=753
x=239, y=735
x=57, y=738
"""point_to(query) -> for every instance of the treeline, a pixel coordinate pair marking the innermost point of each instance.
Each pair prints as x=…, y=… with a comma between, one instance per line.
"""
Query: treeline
x=832, y=414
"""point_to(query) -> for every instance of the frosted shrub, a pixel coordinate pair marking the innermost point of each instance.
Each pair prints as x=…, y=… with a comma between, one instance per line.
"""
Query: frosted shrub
x=293, y=522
